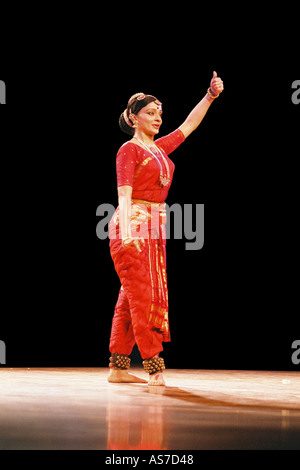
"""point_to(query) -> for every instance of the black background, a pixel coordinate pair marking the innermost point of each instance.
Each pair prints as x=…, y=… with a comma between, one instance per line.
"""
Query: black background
x=233, y=304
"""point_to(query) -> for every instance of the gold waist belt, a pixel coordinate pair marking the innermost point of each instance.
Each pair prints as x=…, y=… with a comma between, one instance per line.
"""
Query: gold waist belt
x=155, y=204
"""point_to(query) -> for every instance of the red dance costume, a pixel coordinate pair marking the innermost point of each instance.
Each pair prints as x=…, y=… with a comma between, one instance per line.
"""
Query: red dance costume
x=141, y=312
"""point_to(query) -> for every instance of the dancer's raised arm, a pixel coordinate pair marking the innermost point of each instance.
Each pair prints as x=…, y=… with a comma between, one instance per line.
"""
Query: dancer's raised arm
x=197, y=114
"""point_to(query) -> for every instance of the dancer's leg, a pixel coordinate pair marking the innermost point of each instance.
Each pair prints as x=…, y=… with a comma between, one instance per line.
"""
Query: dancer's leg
x=121, y=343
x=122, y=338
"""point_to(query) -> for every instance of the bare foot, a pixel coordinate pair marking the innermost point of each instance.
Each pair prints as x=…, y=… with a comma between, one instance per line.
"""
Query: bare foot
x=156, y=379
x=122, y=376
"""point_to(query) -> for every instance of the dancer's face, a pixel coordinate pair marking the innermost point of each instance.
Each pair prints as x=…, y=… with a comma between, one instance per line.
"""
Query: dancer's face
x=149, y=118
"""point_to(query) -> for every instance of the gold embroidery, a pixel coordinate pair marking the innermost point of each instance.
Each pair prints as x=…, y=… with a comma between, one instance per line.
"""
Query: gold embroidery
x=160, y=284
x=159, y=308
x=164, y=273
x=150, y=269
x=142, y=165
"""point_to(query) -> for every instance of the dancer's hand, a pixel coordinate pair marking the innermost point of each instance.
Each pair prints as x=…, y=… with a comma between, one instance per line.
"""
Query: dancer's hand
x=137, y=243
x=216, y=84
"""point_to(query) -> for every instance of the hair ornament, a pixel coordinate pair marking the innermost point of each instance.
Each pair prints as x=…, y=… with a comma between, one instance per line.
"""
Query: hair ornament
x=138, y=96
x=126, y=119
x=158, y=104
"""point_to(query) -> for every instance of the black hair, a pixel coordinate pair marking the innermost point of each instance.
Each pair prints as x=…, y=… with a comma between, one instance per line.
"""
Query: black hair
x=135, y=104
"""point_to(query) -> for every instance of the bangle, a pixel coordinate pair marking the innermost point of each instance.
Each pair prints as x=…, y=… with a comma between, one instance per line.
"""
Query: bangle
x=213, y=97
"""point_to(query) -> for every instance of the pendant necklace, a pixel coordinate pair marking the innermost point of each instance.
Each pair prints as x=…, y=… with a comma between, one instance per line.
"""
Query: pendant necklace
x=164, y=180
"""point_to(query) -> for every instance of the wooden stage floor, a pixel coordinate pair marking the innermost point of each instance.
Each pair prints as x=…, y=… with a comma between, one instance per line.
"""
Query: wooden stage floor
x=68, y=408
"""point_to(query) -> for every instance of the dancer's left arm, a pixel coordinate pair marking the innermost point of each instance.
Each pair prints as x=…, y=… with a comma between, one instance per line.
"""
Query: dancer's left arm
x=197, y=114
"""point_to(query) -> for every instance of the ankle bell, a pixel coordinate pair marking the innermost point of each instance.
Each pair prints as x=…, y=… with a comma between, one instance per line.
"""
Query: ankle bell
x=154, y=365
x=119, y=361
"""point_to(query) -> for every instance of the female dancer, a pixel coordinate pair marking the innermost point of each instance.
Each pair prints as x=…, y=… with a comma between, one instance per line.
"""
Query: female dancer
x=137, y=233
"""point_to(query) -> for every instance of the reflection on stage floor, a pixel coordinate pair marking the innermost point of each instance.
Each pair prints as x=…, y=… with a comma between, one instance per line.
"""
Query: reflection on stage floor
x=67, y=408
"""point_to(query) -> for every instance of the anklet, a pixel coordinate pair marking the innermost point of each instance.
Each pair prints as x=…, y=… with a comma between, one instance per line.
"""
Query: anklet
x=153, y=365
x=119, y=361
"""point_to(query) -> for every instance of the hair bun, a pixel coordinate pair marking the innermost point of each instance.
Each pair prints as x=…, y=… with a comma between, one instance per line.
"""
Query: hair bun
x=124, y=126
x=127, y=120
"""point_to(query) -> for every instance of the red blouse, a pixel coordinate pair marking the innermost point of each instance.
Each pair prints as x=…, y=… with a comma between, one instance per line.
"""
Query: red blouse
x=136, y=167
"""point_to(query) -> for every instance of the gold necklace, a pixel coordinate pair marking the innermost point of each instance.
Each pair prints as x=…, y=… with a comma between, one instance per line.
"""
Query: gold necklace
x=164, y=180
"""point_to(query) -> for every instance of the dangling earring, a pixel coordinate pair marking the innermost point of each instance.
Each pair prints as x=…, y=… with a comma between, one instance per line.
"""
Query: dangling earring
x=132, y=117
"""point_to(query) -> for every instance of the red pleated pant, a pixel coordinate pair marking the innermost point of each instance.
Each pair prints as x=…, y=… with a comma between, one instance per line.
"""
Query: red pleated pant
x=141, y=311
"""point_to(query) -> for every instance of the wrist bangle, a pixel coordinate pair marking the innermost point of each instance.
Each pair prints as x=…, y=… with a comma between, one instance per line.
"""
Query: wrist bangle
x=211, y=95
